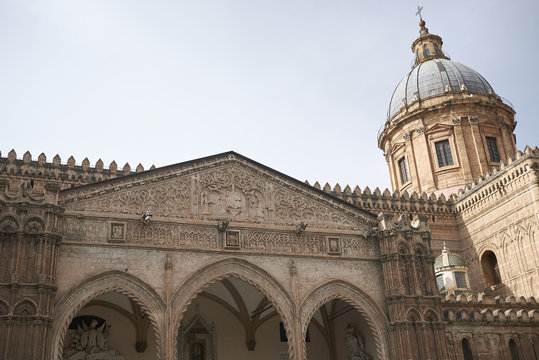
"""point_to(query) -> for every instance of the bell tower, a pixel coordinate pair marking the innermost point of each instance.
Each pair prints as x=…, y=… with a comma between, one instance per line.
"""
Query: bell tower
x=445, y=126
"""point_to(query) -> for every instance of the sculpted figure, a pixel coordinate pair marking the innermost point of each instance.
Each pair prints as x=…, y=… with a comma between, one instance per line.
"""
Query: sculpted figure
x=355, y=344
x=90, y=343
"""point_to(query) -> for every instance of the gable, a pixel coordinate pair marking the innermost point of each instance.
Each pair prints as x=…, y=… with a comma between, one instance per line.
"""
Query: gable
x=217, y=188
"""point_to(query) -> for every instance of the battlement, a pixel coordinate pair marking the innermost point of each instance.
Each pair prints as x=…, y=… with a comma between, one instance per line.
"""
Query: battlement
x=486, y=308
x=66, y=175
x=378, y=200
x=488, y=188
x=505, y=179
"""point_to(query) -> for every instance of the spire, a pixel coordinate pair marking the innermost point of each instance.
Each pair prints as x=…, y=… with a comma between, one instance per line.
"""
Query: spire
x=427, y=46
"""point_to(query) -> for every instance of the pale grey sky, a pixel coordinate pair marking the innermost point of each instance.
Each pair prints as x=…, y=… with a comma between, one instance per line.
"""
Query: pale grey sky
x=300, y=86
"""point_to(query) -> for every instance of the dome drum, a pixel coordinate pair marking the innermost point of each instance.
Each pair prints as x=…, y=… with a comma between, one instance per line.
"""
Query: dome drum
x=445, y=124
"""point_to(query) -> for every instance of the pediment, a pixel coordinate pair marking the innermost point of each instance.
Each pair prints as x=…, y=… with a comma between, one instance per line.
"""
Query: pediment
x=439, y=128
x=226, y=186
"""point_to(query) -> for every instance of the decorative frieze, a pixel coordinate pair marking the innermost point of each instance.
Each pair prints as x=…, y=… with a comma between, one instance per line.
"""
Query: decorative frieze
x=206, y=237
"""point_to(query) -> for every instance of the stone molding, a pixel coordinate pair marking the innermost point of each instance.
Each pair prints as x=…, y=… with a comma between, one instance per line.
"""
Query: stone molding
x=361, y=301
x=80, y=295
x=243, y=270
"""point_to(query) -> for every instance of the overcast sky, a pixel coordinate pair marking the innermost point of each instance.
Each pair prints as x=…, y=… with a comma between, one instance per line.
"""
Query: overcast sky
x=300, y=86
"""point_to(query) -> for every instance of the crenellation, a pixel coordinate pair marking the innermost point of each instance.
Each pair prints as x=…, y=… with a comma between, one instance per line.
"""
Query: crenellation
x=67, y=175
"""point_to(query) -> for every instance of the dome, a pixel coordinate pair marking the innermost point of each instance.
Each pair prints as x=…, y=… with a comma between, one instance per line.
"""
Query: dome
x=435, y=77
x=448, y=259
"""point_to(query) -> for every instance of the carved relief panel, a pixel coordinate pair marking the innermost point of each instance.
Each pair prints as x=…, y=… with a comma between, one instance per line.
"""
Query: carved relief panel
x=235, y=191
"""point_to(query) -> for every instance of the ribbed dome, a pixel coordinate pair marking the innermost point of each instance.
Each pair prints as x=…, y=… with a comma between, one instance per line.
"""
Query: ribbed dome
x=435, y=77
x=448, y=259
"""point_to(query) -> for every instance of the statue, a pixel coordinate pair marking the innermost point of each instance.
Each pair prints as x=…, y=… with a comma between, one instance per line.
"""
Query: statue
x=90, y=343
x=355, y=344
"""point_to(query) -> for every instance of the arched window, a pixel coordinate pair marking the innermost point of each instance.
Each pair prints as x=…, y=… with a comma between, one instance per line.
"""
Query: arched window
x=491, y=270
x=467, y=349
x=418, y=56
x=513, y=349
x=426, y=51
x=436, y=50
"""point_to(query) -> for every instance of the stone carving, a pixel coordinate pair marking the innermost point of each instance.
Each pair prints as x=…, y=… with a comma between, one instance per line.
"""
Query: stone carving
x=355, y=344
x=171, y=235
x=8, y=225
x=222, y=225
x=34, y=226
x=117, y=232
x=207, y=237
x=360, y=246
x=232, y=239
x=229, y=192
x=283, y=243
x=91, y=343
x=88, y=230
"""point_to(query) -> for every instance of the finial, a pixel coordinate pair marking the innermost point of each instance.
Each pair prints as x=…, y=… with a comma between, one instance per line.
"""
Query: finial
x=422, y=22
x=418, y=12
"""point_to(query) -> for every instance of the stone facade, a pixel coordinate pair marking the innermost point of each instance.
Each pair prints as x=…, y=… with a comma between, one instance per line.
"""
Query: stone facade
x=77, y=240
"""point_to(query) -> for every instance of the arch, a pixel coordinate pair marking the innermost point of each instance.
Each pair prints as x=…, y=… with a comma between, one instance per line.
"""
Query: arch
x=402, y=247
x=420, y=249
x=243, y=270
x=363, y=303
x=9, y=224
x=466, y=349
x=34, y=225
x=513, y=350
x=491, y=271
x=25, y=307
x=413, y=315
x=431, y=316
x=111, y=281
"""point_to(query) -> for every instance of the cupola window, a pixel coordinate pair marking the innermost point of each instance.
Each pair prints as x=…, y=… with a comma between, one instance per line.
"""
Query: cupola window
x=403, y=168
x=418, y=56
x=426, y=51
x=436, y=50
x=493, y=149
x=440, y=282
x=460, y=280
x=443, y=153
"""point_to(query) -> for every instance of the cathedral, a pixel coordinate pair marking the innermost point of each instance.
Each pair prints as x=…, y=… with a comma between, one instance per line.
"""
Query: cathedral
x=224, y=258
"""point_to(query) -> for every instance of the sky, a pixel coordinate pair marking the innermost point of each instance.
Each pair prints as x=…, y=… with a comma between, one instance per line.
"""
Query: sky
x=299, y=86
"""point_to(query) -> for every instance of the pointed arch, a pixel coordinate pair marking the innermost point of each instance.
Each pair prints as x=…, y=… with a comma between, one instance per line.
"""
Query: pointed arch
x=112, y=281
x=25, y=307
x=360, y=300
x=243, y=270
